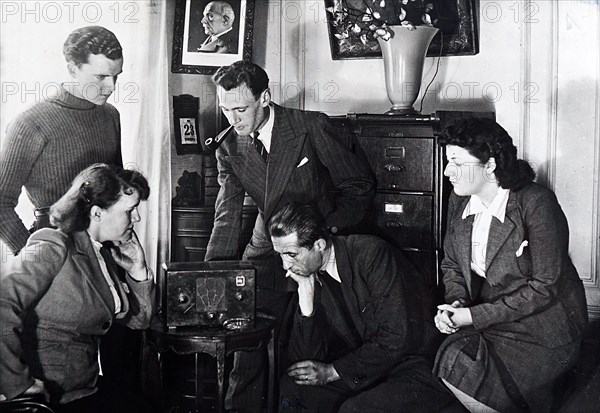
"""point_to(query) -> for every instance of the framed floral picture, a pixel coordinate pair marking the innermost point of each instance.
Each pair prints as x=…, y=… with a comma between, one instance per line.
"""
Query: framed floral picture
x=355, y=24
x=208, y=34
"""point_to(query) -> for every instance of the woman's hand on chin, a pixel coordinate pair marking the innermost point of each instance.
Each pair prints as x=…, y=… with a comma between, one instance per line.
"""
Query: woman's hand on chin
x=130, y=256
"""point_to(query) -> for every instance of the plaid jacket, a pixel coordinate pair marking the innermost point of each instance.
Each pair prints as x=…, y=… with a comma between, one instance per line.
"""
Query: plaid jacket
x=539, y=286
x=54, y=305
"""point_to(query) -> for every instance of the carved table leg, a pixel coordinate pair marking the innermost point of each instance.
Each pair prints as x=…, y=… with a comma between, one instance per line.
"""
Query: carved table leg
x=221, y=377
x=199, y=382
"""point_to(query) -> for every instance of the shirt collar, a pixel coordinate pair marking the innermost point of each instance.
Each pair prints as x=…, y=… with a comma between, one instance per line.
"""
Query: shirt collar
x=497, y=207
x=331, y=265
x=216, y=36
x=266, y=132
x=96, y=244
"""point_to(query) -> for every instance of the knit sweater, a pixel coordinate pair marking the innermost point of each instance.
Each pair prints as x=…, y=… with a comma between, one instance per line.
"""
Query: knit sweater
x=46, y=147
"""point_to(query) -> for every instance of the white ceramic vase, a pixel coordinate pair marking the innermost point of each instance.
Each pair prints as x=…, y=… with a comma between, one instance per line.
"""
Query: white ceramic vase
x=403, y=59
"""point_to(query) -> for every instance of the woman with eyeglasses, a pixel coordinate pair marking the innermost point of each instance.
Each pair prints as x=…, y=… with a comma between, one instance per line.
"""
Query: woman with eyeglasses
x=515, y=306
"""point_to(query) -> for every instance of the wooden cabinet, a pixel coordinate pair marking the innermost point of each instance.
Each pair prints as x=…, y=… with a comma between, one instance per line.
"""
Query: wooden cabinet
x=192, y=227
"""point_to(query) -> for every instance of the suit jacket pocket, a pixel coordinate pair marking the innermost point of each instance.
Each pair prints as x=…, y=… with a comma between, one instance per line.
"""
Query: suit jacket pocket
x=551, y=327
x=524, y=260
x=83, y=368
x=303, y=162
x=305, y=184
x=46, y=353
x=48, y=361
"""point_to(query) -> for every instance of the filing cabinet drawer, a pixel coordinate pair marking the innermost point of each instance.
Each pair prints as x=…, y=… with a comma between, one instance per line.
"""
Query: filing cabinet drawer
x=405, y=220
x=402, y=164
x=395, y=130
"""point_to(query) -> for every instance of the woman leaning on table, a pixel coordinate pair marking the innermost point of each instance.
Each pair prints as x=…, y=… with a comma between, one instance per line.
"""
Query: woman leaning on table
x=515, y=304
x=68, y=287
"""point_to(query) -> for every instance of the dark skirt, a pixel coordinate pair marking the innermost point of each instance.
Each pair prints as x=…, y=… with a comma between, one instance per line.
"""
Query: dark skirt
x=504, y=367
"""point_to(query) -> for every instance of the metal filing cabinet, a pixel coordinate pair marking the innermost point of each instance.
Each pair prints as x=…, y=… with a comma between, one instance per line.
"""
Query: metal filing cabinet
x=409, y=205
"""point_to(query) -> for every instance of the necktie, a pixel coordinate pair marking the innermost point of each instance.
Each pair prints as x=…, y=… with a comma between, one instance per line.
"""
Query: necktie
x=260, y=148
x=114, y=276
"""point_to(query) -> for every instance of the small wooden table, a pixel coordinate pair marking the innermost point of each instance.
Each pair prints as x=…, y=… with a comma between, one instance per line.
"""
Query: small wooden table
x=218, y=343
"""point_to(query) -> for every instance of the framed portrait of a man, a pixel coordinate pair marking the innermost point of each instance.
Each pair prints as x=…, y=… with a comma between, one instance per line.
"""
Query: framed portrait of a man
x=209, y=34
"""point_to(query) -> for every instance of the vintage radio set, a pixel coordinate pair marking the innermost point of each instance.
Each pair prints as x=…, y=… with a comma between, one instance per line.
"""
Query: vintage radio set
x=209, y=294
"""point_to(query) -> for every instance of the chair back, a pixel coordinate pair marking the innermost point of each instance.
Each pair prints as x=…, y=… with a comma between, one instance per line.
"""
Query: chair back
x=25, y=404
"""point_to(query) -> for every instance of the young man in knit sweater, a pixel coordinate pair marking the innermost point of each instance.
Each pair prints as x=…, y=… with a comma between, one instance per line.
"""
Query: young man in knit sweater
x=50, y=143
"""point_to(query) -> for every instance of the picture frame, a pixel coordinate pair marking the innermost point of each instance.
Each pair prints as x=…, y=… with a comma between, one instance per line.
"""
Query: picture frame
x=459, y=34
x=189, y=37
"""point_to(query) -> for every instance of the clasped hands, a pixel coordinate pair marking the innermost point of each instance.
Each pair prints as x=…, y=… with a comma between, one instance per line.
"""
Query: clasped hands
x=451, y=317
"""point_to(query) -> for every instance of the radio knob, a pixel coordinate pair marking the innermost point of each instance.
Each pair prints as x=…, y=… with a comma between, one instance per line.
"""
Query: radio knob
x=210, y=316
x=183, y=298
x=239, y=296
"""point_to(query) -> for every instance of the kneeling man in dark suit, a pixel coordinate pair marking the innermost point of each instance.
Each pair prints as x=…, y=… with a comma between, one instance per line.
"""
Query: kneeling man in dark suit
x=357, y=343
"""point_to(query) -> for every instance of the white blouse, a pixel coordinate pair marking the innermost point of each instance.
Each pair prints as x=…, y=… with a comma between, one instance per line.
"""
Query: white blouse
x=481, y=226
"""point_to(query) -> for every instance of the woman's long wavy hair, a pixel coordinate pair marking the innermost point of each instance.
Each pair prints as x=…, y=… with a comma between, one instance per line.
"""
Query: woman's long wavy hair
x=484, y=138
x=101, y=185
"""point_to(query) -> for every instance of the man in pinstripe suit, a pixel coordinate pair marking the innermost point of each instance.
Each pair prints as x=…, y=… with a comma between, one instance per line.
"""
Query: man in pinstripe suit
x=278, y=155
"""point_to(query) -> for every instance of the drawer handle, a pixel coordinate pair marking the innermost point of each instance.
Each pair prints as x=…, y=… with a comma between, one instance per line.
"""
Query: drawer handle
x=397, y=152
x=393, y=224
x=393, y=168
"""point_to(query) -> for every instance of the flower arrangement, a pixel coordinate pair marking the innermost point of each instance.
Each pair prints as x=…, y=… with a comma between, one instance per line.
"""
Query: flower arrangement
x=368, y=20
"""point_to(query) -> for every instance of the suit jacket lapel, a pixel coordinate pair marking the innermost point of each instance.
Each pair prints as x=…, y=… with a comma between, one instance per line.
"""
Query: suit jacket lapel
x=85, y=258
x=286, y=143
x=351, y=334
x=499, y=232
x=120, y=285
x=249, y=167
x=463, y=229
